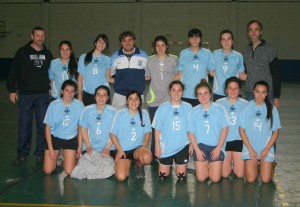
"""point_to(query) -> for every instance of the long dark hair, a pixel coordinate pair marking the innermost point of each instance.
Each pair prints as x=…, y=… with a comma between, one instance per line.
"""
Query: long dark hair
x=267, y=101
x=89, y=56
x=72, y=65
x=104, y=88
x=140, y=105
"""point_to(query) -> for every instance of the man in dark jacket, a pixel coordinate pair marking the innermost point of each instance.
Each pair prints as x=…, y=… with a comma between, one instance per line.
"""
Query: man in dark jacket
x=29, y=77
x=261, y=63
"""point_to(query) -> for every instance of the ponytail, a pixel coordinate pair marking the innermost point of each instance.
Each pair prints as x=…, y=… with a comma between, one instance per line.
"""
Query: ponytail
x=267, y=102
x=72, y=67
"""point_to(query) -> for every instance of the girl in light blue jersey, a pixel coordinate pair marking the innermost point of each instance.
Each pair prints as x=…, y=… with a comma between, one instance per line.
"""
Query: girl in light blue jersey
x=95, y=122
x=62, y=119
x=130, y=134
x=195, y=63
x=208, y=127
x=171, y=136
x=234, y=145
x=259, y=130
x=62, y=68
x=93, y=68
x=228, y=63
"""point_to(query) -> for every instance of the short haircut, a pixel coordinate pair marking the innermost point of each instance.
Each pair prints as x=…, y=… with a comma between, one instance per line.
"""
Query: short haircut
x=126, y=34
x=37, y=28
x=254, y=21
x=195, y=32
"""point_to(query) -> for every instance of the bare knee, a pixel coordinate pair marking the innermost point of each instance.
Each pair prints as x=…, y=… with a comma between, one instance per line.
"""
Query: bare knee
x=250, y=179
x=201, y=178
x=48, y=170
x=68, y=171
x=215, y=179
x=146, y=158
x=121, y=176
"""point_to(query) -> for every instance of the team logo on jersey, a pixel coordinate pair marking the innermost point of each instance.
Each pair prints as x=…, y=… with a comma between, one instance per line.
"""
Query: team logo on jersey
x=205, y=115
x=226, y=58
x=132, y=123
x=196, y=58
x=258, y=114
x=67, y=111
x=232, y=108
x=64, y=67
x=98, y=117
x=96, y=60
x=176, y=112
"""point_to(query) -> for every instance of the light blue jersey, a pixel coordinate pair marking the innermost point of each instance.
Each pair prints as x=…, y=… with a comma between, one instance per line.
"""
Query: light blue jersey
x=194, y=67
x=128, y=129
x=94, y=74
x=171, y=121
x=234, y=112
x=63, y=120
x=226, y=66
x=207, y=125
x=98, y=125
x=257, y=128
x=58, y=73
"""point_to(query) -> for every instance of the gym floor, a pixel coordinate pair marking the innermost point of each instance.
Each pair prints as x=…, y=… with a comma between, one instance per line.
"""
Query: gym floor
x=27, y=185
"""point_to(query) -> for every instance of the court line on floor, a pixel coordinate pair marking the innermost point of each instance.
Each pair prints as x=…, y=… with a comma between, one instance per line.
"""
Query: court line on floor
x=48, y=205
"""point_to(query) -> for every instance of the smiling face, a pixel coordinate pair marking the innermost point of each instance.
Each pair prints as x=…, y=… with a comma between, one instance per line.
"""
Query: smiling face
x=160, y=47
x=133, y=102
x=176, y=93
x=65, y=52
x=68, y=94
x=101, y=97
x=260, y=93
x=195, y=41
x=233, y=90
x=127, y=44
x=100, y=45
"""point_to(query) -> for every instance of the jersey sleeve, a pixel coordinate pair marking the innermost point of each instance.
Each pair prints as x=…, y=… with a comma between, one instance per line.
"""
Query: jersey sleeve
x=191, y=122
x=81, y=66
x=51, y=71
x=210, y=62
x=49, y=117
x=115, y=124
x=147, y=127
x=156, y=124
x=225, y=119
x=276, y=119
x=181, y=61
x=240, y=65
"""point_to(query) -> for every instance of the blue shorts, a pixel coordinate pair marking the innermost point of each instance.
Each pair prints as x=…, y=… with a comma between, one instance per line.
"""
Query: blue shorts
x=206, y=149
x=58, y=143
x=235, y=146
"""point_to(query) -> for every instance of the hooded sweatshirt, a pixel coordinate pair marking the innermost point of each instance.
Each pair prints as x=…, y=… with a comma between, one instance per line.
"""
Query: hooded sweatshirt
x=29, y=71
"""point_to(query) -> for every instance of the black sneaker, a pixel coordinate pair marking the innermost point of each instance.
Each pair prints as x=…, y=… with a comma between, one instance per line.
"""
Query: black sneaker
x=140, y=171
x=20, y=160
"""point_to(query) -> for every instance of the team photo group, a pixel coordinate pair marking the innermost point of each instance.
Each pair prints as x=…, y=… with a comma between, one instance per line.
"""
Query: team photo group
x=183, y=117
